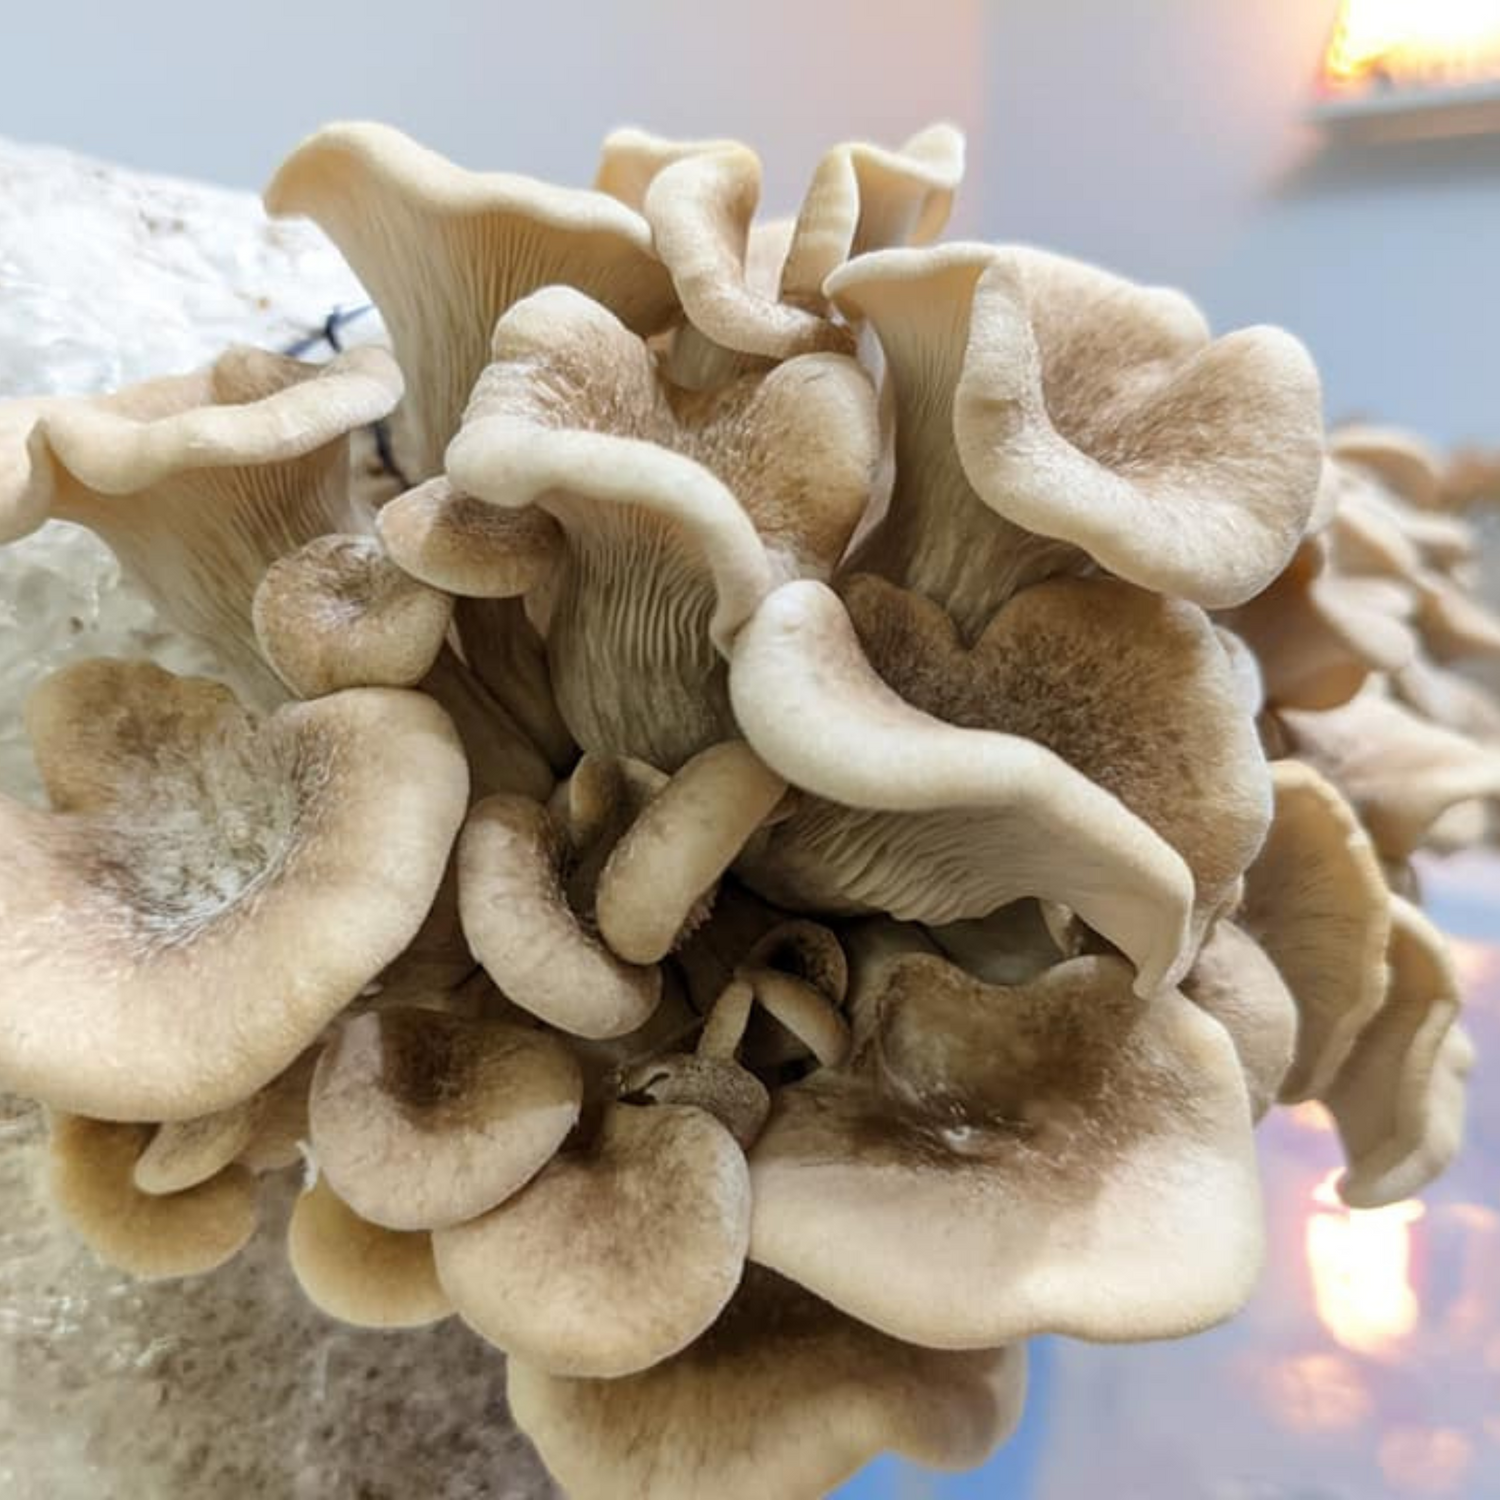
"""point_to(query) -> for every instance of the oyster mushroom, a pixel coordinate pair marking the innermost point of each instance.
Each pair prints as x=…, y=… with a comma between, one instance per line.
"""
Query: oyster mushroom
x=359, y=1272
x=337, y=613
x=209, y=889
x=613, y=1258
x=1057, y=1156
x=1045, y=408
x=681, y=512
x=931, y=821
x=422, y=1119
x=1398, y=1099
x=483, y=240
x=783, y=1396
x=1316, y=903
x=198, y=482
x=91, y=1172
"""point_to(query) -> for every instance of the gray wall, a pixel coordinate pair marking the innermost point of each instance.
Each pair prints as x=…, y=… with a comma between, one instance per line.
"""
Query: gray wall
x=1160, y=137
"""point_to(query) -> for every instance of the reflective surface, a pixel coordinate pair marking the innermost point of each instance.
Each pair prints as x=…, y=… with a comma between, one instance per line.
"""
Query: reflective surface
x=1367, y=1367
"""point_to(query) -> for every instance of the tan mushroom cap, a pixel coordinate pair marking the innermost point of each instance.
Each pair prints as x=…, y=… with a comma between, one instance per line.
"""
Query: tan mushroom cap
x=613, y=1259
x=630, y=160
x=686, y=837
x=92, y=1164
x=483, y=240
x=718, y=1086
x=930, y=821
x=210, y=889
x=782, y=1397
x=1060, y=1156
x=183, y=1153
x=464, y=546
x=681, y=511
x=1398, y=771
x=337, y=613
x=700, y=209
x=1398, y=1099
x=358, y=1272
x=1317, y=903
x=1318, y=636
x=421, y=1119
x=863, y=198
x=521, y=928
x=1131, y=689
x=1400, y=460
x=1234, y=981
x=1448, y=698
x=1454, y=626
x=1037, y=393
x=198, y=482
x=1010, y=946
x=281, y=1135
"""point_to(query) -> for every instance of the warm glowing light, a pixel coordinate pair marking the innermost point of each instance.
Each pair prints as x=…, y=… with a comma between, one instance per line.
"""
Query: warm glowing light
x=1478, y=964
x=1413, y=42
x=1361, y=1270
x=1318, y=1393
x=1425, y=1460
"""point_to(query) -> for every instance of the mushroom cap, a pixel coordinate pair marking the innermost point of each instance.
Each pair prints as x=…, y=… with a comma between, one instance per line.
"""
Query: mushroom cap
x=1234, y=980
x=1060, y=1156
x=783, y=1396
x=210, y=890
x=421, y=1119
x=1398, y=1099
x=483, y=241
x=198, y=482
x=684, y=839
x=183, y=1153
x=337, y=613
x=928, y=820
x=733, y=1095
x=1039, y=394
x=519, y=923
x=1317, y=903
x=92, y=1166
x=1399, y=772
x=464, y=546
x=359, y=1272
x=1399, y=460
x=681, y=511
x=612, y=1260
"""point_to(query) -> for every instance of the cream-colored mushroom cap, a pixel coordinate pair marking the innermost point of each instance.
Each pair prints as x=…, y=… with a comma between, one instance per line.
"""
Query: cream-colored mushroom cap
x=1400, y=460
x=359, y=1272
x=483, y=240
x=613, y=1259
x=199, y=482
x=464, y=546
x=1038, y=397
x=210, y=889
x=927, y=820
x=684, y=839
x=183, y=1153
x=681, y=510
x=421, y=1119
x=1398, y=1099
x=782, y=1397
x=1316, y=902
x=337, y=613
x=1234, y=980
x=1059, y=1156
x=92, y=1164
x=1399, y=772
x=520, y=926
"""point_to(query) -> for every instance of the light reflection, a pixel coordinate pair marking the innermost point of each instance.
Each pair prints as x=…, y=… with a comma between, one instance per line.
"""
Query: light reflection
x=1361, y=1271
x=1425, y=1460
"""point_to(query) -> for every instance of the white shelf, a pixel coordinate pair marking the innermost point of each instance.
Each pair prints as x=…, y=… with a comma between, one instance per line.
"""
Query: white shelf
x=1412, y=113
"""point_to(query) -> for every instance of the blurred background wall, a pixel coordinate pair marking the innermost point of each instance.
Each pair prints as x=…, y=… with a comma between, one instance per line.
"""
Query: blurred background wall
x=1164, y=138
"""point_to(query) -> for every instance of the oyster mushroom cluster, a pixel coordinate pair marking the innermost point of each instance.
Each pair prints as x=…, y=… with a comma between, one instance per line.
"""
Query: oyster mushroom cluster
x=782, y=846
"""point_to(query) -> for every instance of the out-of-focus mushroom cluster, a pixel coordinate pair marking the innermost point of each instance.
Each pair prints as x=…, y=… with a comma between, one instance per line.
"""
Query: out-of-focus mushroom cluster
x=785, y=848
